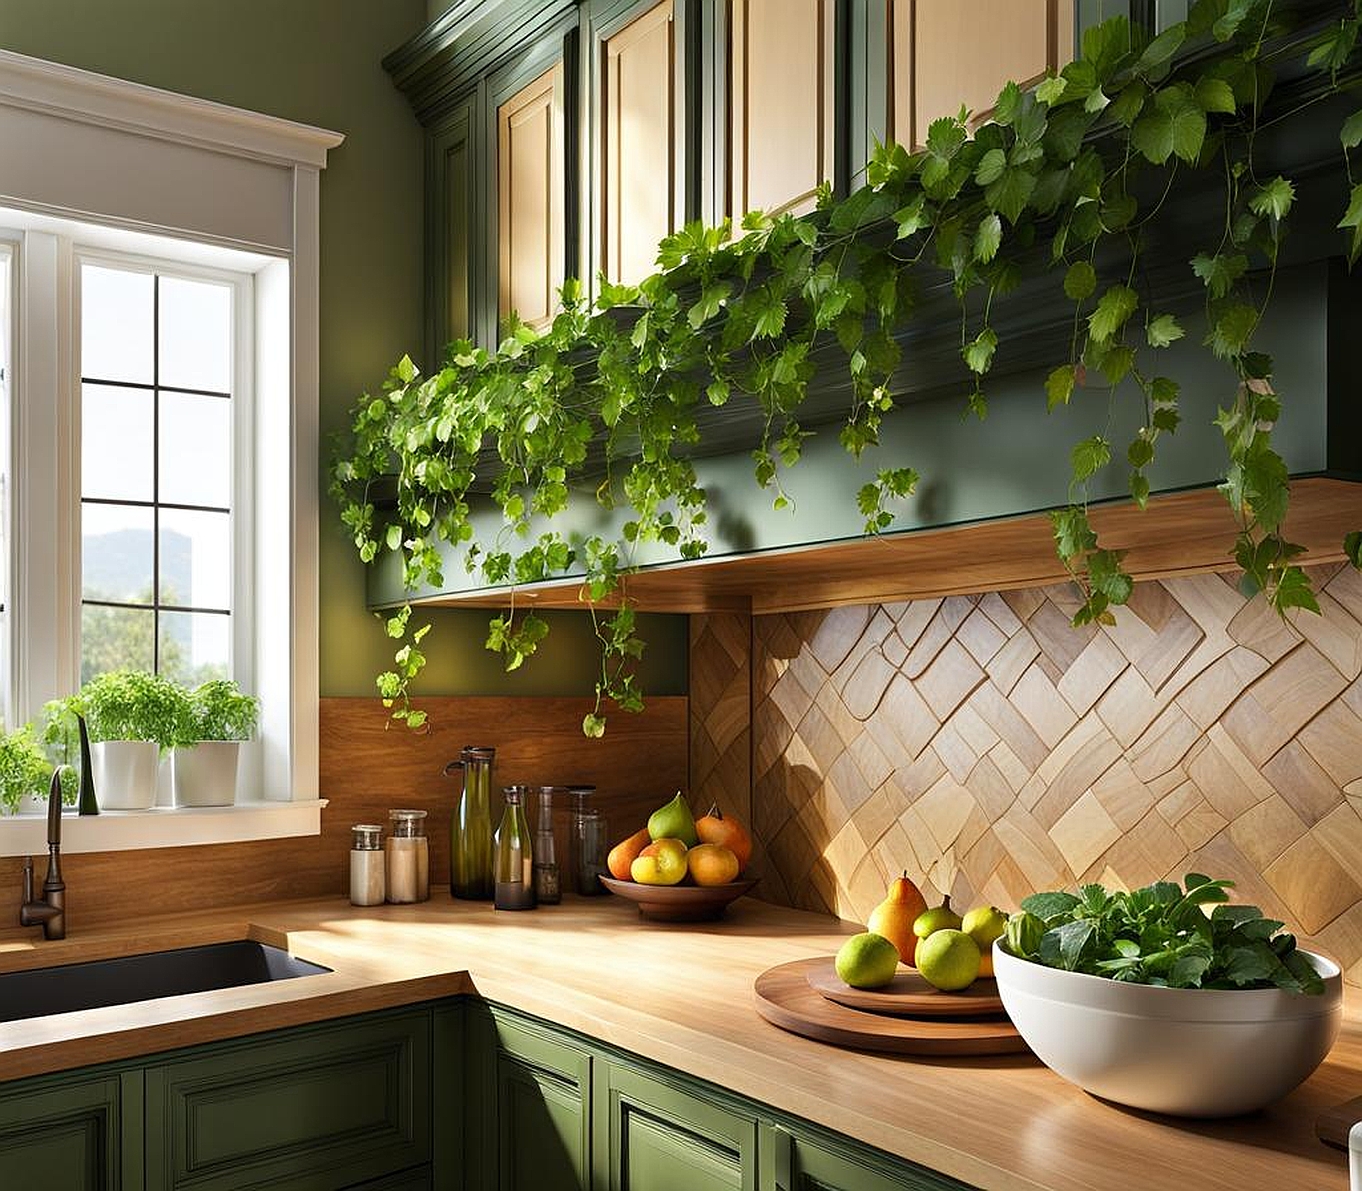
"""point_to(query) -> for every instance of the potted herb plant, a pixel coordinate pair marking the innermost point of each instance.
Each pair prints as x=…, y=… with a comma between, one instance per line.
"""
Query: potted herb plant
x=203, y=766
x=131, y=717
x=25, y=772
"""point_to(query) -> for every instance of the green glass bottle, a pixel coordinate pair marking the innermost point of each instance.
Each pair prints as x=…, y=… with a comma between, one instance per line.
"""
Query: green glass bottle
x=470, y=830
x=514, y=869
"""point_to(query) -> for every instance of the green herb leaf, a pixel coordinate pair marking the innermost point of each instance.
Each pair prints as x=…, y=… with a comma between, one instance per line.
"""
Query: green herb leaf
x=1163, y=330
x=1175, y=127
x=988, y=239
x=1059, y=386
x=1114, y=307
x=1080, y=281
x=1090, y=456
x=1273, y=199
x=978, y=354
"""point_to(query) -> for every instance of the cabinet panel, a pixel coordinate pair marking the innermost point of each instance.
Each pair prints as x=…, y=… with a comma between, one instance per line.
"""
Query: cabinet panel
x=799, y=1161
x=451, y=214
x=652, y=1135
x=326, y=1109
x=941, y=63
x=782, y=96
x=530, y=189
x=67, y=1136
x=640, y=144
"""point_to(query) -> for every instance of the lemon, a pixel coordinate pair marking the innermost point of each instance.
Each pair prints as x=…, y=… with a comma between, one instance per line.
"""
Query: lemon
x=867, y=961
x=948, y=959
x=941, y=917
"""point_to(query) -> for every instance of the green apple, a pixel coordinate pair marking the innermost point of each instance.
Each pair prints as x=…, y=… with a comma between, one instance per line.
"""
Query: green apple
x=663, y=862
x=674, y=821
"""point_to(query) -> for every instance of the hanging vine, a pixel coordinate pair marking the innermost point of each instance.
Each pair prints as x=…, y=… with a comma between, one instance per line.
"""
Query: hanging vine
x=1082, y=163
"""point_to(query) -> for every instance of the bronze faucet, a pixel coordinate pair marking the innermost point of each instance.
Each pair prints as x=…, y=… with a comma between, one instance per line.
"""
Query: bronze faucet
x=50, y=913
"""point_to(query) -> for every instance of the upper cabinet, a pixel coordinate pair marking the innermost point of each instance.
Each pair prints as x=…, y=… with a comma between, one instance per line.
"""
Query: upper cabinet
x=939, y=61
x=782, y=103
x=639, y=138
x=530, y=199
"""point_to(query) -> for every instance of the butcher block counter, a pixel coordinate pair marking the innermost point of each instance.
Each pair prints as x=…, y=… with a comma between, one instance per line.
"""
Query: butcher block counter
x=681, y=995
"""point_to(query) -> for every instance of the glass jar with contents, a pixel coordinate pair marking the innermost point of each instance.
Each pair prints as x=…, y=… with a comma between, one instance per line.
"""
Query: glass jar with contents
x=592, y=845
x=513, y=865
x=408, y=857
x=367, y=886
x=548, y=888
x=470, y=850
x=579, y=805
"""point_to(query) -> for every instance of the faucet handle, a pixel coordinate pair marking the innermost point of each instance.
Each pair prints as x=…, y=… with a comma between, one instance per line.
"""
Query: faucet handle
x=28, y=879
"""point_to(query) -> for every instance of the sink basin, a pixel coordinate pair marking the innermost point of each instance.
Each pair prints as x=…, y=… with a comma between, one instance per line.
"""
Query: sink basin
x=129, y=978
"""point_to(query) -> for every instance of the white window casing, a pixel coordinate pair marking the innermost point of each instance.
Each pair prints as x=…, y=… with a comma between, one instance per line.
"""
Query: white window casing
x=145, y=172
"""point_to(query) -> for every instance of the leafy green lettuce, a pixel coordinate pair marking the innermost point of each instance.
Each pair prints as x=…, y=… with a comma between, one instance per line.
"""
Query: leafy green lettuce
x=1163, y=935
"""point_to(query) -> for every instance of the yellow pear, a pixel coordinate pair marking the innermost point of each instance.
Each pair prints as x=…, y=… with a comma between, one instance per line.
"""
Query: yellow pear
x=893, y=918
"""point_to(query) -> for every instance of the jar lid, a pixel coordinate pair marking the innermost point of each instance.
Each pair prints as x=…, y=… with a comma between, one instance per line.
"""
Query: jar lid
x=366, y=837
x=479, y=752
x=408, y=822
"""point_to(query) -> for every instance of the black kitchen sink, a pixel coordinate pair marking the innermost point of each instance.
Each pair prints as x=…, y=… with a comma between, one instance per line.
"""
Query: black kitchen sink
x=129, y=978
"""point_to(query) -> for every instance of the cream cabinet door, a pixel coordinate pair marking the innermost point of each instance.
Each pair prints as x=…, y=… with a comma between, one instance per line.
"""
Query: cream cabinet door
x=530, y=199
x=949, y=53
x=640, y=151
x=781, y=103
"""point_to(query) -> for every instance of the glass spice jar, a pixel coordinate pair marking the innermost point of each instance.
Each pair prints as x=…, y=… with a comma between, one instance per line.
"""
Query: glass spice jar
x=367, y=884
x=408, y=853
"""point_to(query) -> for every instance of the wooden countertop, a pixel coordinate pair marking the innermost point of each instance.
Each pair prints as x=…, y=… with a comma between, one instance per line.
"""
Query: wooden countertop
x=682, y=996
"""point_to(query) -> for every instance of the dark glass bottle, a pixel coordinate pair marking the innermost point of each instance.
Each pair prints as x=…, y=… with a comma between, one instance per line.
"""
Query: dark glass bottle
x=470, y=832
x=514, y=861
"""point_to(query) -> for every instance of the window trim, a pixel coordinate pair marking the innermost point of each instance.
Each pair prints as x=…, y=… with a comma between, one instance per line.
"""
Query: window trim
x=213, y=175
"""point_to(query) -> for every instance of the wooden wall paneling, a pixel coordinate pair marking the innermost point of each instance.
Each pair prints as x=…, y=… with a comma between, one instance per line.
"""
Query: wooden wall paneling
x=530, y=199
x=782, y=103
x=641, y=187
x=367, y=769
x=940, y=62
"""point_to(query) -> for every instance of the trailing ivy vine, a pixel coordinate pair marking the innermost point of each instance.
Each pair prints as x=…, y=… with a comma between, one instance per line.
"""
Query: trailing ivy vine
x=1080, y=165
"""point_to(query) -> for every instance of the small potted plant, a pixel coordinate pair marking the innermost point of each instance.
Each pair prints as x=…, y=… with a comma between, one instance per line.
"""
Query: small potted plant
x=25, y=773
x=203, y=767
x=131, y=716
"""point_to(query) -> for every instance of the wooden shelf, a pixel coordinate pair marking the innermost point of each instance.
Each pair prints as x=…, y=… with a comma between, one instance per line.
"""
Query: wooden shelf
x=1178, y=534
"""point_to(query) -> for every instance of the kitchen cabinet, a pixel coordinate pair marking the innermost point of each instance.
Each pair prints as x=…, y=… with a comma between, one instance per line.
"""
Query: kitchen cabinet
x=453, y=204
x=639, y=135
x=420, y=1179
x=309, y=1109
x=529, y=1106
x=782, y=103
x=654, y=1133
x=530, y=199
x=939, y=62
x=795, y=1158
x=72, y=1134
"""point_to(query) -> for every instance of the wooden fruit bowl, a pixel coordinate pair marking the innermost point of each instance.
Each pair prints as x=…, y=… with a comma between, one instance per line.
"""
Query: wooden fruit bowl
x=680, y=903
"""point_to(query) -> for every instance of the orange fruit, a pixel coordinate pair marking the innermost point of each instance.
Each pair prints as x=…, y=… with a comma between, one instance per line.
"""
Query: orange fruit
x=893, y=918
x=712, y=864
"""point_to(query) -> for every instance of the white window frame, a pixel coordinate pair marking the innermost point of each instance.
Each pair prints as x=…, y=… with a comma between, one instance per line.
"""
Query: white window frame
x=143, y=167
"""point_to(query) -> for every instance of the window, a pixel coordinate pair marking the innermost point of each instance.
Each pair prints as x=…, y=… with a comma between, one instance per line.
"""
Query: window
x=158, y=387
x=159, y=459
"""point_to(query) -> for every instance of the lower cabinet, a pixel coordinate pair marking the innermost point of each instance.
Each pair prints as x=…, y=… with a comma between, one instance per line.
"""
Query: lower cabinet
x=455, y=1096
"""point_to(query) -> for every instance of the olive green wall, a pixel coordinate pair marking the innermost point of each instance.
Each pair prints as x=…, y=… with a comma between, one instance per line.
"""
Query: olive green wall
x=318, y=61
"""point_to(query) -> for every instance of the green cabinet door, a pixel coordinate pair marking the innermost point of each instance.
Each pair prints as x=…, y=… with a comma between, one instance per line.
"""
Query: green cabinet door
x=530, y=1108
x=71, y=1133
x=315, y=1109
x=795, y=1159
x=419, y=1179
x=654, y=1133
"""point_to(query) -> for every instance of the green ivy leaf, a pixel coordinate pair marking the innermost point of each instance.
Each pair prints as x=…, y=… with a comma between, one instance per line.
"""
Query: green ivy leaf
x=1293, y=590
x=711, y=299
x=991, y=166
x=1073, y=535
x=1232, y=324
x=1139, y=488
x=406, y=370
x=1050, y=91
x=1162, y=48
x=979, y=353
x=1175, y=128
x=1114, y=308
x=1352, y=218
x=1220, y=272
x=1009, y=194
x=1352, y=547
x=912, y=218
x=1273, y=199
x=1059, y=386
x=1080, y=281
x=717, y=392
x=988, y=239
x=593, y=726
x=1351, y=136
x=1090, y=456
x=1164, y=330
x=1215, y=95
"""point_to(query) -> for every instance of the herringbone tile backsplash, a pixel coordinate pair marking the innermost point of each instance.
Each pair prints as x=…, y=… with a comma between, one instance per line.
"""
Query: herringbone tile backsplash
x=990, y=749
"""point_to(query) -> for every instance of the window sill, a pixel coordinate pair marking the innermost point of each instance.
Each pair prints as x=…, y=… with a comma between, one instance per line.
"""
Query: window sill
x=163, y=827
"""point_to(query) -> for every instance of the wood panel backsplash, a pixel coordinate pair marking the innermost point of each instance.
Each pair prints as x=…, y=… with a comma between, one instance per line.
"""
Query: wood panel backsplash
x=990, y=749
x=367, y=769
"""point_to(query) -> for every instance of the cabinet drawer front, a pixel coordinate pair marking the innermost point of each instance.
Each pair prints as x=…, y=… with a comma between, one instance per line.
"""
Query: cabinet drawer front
x=326, y=1110
x=63, y=1137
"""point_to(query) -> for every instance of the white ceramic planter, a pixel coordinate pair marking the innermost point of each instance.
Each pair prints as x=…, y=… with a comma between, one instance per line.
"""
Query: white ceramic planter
x=204, y=774
x=1186, y=1051
x=124, y=773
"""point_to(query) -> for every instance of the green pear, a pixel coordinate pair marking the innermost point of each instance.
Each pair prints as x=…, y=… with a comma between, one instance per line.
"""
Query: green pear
x=673, y=821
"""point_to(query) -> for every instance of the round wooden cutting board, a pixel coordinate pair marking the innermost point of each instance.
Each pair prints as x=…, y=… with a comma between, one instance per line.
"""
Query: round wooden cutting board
x=907, y=995
x=785, y=998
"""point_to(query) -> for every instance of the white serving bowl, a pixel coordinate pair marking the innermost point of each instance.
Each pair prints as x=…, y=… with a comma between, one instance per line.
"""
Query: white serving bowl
x=1190, y=1052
